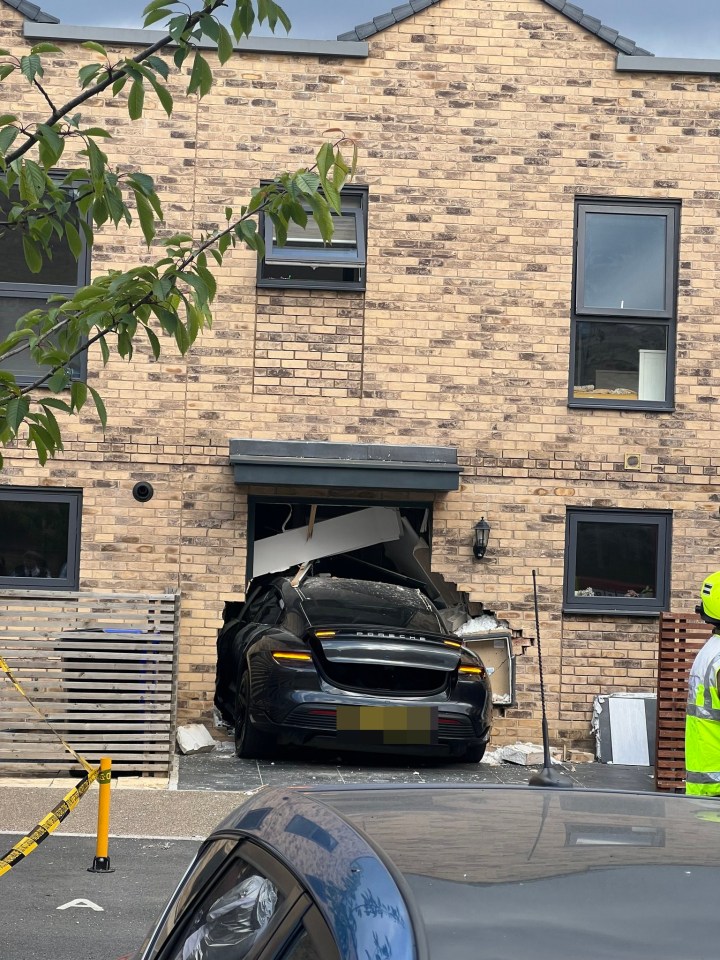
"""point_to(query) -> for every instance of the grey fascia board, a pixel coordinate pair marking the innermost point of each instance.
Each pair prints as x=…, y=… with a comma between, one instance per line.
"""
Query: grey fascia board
x=144, y=38
x=333, y=451
x=626, y=63
x=361, y=476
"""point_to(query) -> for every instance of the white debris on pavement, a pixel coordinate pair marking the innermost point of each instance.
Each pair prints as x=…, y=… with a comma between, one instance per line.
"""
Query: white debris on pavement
x=194, y=738
x=525, y=754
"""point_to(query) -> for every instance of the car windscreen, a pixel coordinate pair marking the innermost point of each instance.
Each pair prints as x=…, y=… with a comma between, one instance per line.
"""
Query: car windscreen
x=336, y=602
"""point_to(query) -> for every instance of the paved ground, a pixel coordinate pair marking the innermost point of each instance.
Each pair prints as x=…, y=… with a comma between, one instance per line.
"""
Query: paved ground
x=221, y=770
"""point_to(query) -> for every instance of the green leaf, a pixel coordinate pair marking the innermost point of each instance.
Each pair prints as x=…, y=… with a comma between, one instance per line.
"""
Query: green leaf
x=308, y=183
x=119, y=84
x=73, y=239
x=159, y=14
x=208, y=279
x=78, y=394
x=321, y=214
x=7, y=138
x=99, y=405
x=35, y=437
x=200, y=76
x=16, y=412
x=51, y=145
x=95, y=47
x=146, y=217
x=33, y=257
x=136, y=100
x=55, y=404
x=58, y=381
x=159, y=65
x=87, y=74
x=6, y=69
x=155, y=5
x=242, y=19
x=7, y=118
x=45, y=47
x=96, y=132
x=225, y=44
x=154, y=342
x=31, y=67
x=105, y=351
x=163, y=94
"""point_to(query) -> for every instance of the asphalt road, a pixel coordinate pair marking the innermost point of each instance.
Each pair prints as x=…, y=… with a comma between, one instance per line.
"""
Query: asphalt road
x=34, y=928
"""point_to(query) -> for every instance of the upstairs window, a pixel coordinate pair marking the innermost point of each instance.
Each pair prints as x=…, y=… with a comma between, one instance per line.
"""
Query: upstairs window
x=22, y=291
x=624, y=309
x=306, y=261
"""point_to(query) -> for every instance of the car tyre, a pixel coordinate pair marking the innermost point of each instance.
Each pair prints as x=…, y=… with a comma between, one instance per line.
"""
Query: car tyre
x=249, y=743
x=474, y=753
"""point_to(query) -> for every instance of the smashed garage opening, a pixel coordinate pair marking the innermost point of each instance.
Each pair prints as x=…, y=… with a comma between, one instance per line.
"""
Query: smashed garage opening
x=383, y=540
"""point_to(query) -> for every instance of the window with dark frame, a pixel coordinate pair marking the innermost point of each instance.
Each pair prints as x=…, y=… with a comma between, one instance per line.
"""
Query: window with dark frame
x=22, y=291
x=39, y=538
x=617, y=561
x=305, y=261
x=624, y=304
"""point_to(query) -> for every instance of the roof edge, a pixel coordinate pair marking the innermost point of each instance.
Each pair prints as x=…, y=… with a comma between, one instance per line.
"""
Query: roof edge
x=31, y=11
x=687, y=65
x=570, y=10
x=55, y=30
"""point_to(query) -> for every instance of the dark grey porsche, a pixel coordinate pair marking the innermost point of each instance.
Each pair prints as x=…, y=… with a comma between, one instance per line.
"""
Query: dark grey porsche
x=348, y=664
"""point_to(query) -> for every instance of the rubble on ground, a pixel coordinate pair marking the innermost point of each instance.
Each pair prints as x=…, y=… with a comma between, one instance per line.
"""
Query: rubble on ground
x=194, y=738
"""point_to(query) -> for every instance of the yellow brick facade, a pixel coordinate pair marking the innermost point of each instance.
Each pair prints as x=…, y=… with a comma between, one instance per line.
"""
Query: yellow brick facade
x=478, y=124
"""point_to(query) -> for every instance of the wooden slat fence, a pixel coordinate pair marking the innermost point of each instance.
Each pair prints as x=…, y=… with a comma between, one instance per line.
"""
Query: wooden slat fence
x=681, y=636
x=101, y=667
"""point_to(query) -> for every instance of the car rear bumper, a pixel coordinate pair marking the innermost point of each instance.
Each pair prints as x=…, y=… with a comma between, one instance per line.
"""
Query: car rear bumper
x=314, y=721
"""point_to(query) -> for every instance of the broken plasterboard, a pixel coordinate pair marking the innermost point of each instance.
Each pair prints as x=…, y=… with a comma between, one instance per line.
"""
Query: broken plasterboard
x=624, y=726
x=353, y=531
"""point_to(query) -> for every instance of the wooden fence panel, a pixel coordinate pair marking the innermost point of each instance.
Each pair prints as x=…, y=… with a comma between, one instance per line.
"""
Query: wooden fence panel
x=681, y=636
x=101, y=667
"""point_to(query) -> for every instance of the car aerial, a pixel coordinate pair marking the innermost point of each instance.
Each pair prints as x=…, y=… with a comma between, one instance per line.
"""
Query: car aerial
x=449, y=872
x=344, y=663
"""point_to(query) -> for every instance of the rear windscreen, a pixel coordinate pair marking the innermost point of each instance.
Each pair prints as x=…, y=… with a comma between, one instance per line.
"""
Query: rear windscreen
x=334, y=602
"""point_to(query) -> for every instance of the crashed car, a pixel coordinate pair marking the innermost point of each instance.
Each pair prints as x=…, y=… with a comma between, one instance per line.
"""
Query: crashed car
x=449, y=872
x=349, y=664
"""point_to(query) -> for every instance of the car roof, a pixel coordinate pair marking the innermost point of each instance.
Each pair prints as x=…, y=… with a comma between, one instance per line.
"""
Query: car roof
x=514, y=868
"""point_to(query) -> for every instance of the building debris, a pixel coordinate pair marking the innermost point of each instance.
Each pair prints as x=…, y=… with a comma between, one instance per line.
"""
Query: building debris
x=525, y=754
x=194, y=738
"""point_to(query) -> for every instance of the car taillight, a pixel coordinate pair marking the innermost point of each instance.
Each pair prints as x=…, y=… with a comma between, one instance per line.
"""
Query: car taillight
x=280, y=656
x=321, y=634
x=452, y=643
x=478, y=672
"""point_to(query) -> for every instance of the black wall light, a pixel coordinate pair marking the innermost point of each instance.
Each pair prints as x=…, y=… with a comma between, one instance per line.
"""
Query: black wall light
x=481, y=535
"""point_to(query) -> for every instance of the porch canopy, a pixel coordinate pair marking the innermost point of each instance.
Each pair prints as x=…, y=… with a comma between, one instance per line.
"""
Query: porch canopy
x=370, y=466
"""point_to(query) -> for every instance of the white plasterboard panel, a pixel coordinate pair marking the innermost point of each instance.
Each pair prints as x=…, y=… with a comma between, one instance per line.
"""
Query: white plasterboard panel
x=353, y=531
x=628, y=731
x=495, y=653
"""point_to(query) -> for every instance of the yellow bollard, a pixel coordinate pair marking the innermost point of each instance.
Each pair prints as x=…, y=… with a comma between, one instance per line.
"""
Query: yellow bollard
x=101, y=863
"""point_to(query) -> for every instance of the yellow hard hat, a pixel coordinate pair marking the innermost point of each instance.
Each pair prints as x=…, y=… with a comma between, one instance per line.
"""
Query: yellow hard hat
x=710, y=597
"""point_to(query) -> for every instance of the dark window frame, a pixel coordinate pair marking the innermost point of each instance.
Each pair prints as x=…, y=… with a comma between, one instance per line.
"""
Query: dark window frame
x=37, y=290
x=665, y=318
x=50, y=495
x=618, y=606
x=325, y=257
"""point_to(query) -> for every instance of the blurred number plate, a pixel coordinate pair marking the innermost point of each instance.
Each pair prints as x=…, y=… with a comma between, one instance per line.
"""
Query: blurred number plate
x=388, y=725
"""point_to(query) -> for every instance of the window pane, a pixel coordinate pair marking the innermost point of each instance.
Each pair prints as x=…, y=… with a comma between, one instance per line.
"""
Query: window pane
x=620, y=361
x=616, y=560
x=232, y=917
x=62, y=270
x=34, y=537
x=624, y=261
x=302, y=949
x=344, y=234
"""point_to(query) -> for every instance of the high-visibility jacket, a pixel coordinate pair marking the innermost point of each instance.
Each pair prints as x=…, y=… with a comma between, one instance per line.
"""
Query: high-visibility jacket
x=702, y=723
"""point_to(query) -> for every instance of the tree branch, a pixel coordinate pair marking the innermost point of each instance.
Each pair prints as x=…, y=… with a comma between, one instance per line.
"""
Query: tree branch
x=112, y=76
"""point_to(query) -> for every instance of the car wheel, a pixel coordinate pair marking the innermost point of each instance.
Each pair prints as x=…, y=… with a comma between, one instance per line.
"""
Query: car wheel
x=249, y=744
x=475, y=753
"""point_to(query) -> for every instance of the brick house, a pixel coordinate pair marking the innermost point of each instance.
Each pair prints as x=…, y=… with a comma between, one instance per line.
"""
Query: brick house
x=517, y=322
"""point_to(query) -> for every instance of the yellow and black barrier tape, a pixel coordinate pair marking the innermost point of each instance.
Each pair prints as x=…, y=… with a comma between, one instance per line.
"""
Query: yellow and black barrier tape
x=81, y=760
x=23, y=848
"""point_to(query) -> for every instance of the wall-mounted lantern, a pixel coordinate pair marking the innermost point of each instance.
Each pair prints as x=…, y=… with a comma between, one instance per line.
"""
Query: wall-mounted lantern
x=481, y=535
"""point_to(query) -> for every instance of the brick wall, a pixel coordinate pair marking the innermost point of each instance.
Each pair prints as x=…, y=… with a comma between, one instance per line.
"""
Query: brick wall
x=477, y=124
